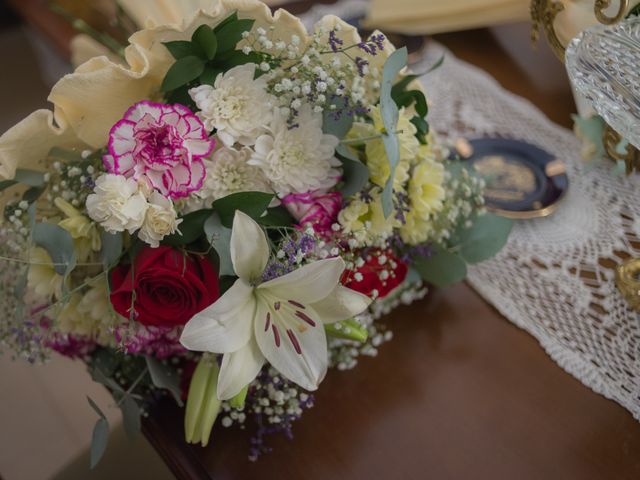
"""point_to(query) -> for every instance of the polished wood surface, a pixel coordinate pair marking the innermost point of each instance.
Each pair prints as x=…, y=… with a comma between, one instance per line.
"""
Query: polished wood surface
x=460, y=393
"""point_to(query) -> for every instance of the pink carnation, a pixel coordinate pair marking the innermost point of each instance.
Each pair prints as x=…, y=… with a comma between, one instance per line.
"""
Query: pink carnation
x=164, y=144
x=317, y=208
x=162, y=342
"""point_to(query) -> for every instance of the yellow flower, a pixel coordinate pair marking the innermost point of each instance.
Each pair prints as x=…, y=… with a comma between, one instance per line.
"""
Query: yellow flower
x=366, y=221
x=89, y=314
x=416, y=229
x=42, y=277
x=377, y=160
x=426, y=192
x=83, y=231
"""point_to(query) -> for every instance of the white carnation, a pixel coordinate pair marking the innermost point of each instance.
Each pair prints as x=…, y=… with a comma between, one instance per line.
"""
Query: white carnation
x=237, y=105
x=228, y=172
x=160, y=220
x=117, y=203
x=297, y=159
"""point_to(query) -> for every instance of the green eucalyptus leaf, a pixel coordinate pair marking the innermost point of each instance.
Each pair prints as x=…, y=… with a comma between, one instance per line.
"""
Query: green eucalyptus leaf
x=99, y=440
x=486, y=237
x=164, y=376
x=111, y=248
x=206, y=40
x=179, y=48
x=95, y=407
x=29, y=177
x=443, y=268
x=389, y=113
x=231, y=32
x=130, y=416
x=58, y=244
x=253, y=204
x=335, y=123
x=347, y=330
x=185, y=70
x=191, y=228
x=355, y=174
x=220, y=237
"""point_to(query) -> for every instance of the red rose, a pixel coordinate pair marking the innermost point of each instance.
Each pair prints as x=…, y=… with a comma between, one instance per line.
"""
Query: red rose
x=170, y=286
x=382, y=272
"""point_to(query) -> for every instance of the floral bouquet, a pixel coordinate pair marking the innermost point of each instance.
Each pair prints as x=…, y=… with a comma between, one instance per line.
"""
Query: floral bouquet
x=226, y=211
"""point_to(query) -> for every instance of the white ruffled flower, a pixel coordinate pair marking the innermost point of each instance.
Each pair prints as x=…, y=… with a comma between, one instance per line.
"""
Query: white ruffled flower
x=297, y=159
x=228, y=172
x=237, y=105
x=160, y=220
x=117, y=204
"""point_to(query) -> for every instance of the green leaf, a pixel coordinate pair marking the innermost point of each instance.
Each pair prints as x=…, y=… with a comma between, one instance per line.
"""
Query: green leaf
x=231, y=18
x=238, y=400
x=130, y=416
x=253, y=204
x=389, y=113
x=4, y=184
x=202, y=402
x=164, y=376
x=209, y=75
x=486, y=237
x=29, y=177
x=220, y=237
x=338, y=127
x=58, y=244
x=96, y=408
x=237, y=57
x=185, y=70
x=191, y=228
x=347, y=330
x=442, y=269
x=421, y=102
x=179, y=48
x=32, y=194
x=422, y=128
x=206, y=40
x=231, y=32
x=99, y=440
x=111, y=248
x=401, y=86
x=355, y=174
x=277, y=217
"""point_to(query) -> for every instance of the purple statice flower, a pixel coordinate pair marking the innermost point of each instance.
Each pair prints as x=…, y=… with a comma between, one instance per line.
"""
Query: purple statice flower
x=334, y=42
x=361, y=63
x=372, y=46
x=378, y=40
x=287, y=260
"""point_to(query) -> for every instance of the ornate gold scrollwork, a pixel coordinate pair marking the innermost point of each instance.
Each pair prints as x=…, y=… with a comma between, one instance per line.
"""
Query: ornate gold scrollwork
x=600, y=7
x=543, y=14
x=631, y=155
x=627, y=281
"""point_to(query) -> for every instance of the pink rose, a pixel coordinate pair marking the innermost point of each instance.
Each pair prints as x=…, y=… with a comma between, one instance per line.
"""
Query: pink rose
x=317, y=208
x=163, y=144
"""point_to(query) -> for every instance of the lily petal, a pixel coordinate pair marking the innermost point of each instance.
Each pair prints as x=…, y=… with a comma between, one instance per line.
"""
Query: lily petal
x=341, y=304
x=296, y=349
x=249, y=247
x=224, y=326
x=238, y=369
x=308, y=284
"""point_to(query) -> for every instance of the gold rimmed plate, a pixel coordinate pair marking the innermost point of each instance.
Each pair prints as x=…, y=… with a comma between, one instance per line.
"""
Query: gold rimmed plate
x=523, y=180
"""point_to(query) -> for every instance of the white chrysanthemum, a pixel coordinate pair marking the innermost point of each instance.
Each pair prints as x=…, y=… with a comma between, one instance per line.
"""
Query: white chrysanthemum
x=237, y=105
x=297, y=159
x=228, y=172
x=160, y=220
x=117, y=203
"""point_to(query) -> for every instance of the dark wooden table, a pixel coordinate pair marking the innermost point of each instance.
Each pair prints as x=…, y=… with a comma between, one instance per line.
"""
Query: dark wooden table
x=460, y=393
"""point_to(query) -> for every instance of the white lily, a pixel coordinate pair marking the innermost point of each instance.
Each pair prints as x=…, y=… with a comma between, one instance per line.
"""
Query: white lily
x=281, y=320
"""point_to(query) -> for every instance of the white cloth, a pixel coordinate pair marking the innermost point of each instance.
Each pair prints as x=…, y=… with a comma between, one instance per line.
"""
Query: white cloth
x=550, y=279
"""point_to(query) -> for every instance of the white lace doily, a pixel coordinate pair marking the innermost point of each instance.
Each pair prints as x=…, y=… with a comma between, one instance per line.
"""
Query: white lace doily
x=554, y=278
